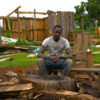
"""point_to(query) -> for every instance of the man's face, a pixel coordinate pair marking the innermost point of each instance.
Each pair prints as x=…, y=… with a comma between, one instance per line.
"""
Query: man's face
x=57, y=33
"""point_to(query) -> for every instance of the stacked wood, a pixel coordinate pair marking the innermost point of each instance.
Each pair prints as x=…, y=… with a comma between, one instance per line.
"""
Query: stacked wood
x=40, y=83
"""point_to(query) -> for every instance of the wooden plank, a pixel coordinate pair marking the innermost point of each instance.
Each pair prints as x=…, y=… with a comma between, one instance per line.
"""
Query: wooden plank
x=9, y=26
x=86, y=69
x=19, y=34
x=90, y=59
x=85, y=43
x=20, y=87
x=26, y=28
x=12, y=31
x=26, y=12
x=78, y=43
x=13, y=11
x=31, y=37
x=4, y=27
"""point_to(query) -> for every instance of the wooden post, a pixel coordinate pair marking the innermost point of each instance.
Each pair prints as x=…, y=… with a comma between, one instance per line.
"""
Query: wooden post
x=82, y=21
x=0, y=34
x=34, y=23
x=19, y=35
x=9, y=26
x=26, y=27
x=96, y=26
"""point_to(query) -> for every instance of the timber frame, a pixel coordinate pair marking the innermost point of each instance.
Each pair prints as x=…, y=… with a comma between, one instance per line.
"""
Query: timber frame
x=37, y=28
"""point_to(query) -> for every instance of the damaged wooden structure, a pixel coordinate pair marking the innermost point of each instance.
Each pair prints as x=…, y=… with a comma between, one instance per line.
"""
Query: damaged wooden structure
x=82, y=52
x=37, y=28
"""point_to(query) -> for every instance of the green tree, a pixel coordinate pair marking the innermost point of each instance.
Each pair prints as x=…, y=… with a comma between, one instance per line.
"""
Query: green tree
x=89, y=12
x=93, y=9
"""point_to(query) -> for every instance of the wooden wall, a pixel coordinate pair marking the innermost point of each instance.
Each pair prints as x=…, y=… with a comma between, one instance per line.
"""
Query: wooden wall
x=26, y=28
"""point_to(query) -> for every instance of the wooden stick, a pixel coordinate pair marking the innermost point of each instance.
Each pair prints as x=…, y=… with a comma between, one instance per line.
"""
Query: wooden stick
x=13, y=11
x=23, y=12
x=38, y=95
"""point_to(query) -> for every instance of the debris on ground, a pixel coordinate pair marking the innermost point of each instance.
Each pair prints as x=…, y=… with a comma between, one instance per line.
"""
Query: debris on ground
x=12, y=51
x=28, y=85
x=6, y=59
x=11, y=74
x=33, y=55
x=7, y=40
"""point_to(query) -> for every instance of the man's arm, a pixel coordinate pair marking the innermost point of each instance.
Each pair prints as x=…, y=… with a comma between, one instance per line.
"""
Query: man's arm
x=41, y=53
x=69, y=54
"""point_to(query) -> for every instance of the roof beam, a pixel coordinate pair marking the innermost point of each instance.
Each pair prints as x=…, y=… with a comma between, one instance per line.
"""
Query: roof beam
x=13, y=11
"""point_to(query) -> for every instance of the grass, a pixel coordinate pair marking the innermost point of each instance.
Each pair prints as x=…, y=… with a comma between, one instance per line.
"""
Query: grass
x=19, y=59
x=96, y=56
x=96, y=59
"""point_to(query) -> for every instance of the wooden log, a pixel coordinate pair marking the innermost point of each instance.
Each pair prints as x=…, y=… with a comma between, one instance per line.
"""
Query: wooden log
x=41, y=83
x=66, y=95
x=20, y=87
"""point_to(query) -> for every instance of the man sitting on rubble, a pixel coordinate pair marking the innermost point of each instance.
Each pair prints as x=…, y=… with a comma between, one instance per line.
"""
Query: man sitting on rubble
x=55, y=46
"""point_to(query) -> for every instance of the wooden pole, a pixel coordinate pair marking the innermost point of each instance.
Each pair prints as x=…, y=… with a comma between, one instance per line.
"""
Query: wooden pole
x=0, y=34
x=82, y=25
x=25, y=12
x=34, y=23
x=96, y=26
x=19, y=35
x=26, y=27
x=13, y=11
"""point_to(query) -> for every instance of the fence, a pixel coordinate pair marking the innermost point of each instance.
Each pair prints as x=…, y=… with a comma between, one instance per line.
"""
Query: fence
x=37, y=28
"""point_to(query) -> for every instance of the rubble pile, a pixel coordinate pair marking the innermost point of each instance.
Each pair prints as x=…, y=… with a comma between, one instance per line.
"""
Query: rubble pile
x=31, y=86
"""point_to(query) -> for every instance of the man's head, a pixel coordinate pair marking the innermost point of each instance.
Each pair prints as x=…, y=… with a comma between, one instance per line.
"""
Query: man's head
x=57, y=30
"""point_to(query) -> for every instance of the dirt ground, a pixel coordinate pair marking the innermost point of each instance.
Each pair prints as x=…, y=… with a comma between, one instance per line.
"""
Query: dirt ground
x=17, y=69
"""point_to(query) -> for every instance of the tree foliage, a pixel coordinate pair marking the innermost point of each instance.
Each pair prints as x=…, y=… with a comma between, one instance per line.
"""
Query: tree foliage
x=88, y=11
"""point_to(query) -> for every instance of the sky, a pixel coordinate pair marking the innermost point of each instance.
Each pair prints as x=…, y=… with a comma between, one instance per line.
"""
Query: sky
x=7, y=6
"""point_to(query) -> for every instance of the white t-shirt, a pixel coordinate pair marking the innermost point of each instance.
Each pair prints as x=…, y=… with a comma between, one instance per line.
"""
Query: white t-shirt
x=55, y=48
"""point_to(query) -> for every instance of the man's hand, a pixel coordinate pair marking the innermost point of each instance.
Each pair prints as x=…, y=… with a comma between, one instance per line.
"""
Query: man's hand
x=54, y=58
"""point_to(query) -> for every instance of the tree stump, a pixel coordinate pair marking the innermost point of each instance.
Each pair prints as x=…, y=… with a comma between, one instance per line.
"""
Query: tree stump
x=51, y=83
